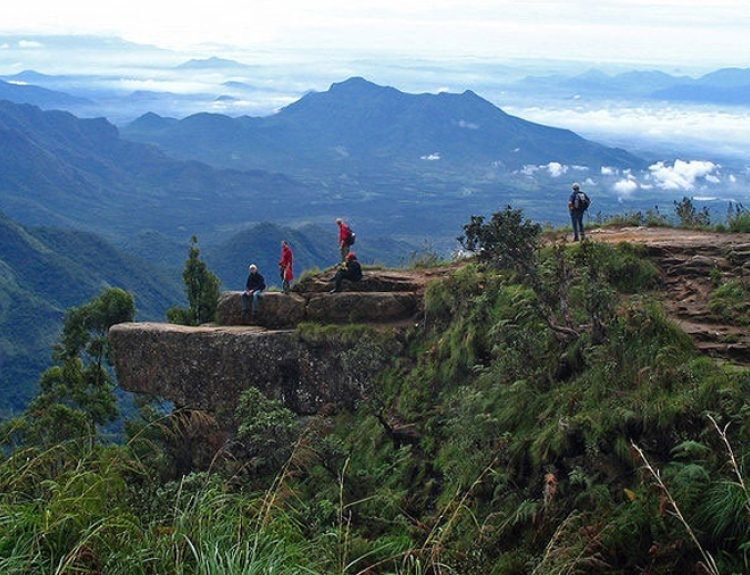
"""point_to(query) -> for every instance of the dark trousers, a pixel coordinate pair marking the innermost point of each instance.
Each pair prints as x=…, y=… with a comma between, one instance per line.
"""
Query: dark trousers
x=576, y=216
x=341, y=275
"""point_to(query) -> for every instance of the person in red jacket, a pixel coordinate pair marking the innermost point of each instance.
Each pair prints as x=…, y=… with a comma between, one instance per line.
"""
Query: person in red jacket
x=285, y=266
x=345, y=238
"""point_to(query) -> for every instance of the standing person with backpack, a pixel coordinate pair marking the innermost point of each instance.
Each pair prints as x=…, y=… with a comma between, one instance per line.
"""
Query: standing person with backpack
x=346, y=238
x=578, y=203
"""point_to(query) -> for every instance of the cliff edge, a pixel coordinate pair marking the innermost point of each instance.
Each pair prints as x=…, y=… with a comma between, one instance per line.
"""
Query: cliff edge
x=354, y=335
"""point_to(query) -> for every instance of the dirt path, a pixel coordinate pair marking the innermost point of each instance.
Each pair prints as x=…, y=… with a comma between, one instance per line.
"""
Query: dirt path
x=692, y=263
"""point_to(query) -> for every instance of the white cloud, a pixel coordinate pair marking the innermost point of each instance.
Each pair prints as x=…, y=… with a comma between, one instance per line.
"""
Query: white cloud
x=681, y=175
x=657, y=31
x=717, y=129
x=609, y=171
x=431, y=158
x=30, y=44
x=556, y=169
x=468, y=125
x=625, y=187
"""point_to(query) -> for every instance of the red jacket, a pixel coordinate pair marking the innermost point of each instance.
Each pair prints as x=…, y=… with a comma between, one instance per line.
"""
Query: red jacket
x=344, y=233
x=286, y=261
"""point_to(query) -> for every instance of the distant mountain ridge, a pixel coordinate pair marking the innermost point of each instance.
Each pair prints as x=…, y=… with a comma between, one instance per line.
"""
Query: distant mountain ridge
x=212, y=63
x=56, y=169
x=360, y=126
x=42, y=97
x=723, y=86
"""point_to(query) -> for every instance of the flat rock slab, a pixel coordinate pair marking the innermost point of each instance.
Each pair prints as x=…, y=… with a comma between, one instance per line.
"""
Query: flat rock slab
x=282, y=311
x=208, y=367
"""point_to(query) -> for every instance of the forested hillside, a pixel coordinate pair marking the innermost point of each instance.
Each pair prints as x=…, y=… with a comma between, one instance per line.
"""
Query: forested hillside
x=44, y=272
x=545, y=417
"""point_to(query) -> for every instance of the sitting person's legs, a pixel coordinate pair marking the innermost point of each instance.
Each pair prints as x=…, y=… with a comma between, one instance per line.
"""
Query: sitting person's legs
x=338, y=279
x=256, y=300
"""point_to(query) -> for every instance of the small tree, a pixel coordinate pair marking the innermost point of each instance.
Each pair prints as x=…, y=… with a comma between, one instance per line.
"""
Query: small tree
x=77, y=393
x=507, y=241
x=202, y=288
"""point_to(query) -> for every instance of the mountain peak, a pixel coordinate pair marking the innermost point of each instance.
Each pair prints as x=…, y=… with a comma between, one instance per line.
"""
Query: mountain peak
x=357, y=83
x=210, y=63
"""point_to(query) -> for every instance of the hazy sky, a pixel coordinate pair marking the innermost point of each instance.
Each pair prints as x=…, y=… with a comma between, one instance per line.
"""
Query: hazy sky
x=705, y=33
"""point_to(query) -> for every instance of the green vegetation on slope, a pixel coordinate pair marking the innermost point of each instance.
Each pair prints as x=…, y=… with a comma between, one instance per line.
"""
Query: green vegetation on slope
x=512, y=437
x=42, y=273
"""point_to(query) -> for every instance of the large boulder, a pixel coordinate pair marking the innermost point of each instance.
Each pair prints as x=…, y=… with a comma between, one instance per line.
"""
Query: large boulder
x=372, y=281
x=275, y=310
x=368, y=307
x=208, y=367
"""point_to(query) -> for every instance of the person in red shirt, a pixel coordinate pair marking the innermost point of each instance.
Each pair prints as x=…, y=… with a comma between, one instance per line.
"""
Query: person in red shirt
x=285, y=266
x=345, y=238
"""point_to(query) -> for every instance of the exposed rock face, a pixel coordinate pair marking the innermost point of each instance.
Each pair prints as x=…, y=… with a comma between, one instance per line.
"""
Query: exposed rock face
x=279, y=311
x=209, y=367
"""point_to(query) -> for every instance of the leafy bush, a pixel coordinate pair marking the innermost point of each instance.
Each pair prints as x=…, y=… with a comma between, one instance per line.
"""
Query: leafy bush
x=267, y=430
x=507, y=241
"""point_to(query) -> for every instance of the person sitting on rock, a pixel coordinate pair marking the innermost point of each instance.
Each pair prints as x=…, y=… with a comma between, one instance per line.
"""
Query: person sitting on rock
x=349, y=270
x=254, y=287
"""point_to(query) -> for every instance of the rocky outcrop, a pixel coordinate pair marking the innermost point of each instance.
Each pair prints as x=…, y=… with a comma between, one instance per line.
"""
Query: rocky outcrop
x=209, y=367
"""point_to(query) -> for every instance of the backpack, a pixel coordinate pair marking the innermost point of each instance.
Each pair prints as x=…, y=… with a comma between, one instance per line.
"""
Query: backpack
x=582, y=201
x=352, y=237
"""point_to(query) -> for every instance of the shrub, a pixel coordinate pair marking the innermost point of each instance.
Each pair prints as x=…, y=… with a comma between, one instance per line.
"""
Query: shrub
x=689, y=216
x=738, y=218
x=507, y=241
x=730, y=302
